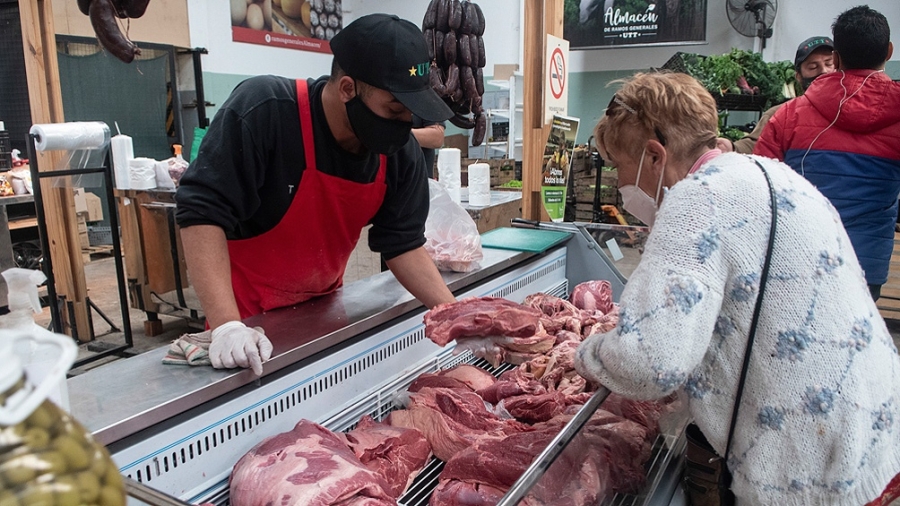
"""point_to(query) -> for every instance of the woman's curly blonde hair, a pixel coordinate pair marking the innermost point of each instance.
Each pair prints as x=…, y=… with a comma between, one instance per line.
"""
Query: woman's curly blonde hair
x=671, y=107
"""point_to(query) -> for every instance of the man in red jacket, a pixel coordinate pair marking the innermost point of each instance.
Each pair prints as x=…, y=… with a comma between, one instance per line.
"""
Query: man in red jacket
x=843, y=135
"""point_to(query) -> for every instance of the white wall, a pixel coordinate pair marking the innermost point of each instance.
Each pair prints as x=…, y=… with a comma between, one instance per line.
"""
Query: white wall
x=211, y=29
x=798, y=20
x=502, y=18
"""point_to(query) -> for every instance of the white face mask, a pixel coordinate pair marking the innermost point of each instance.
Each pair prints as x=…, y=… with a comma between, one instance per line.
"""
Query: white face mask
x=636, y=201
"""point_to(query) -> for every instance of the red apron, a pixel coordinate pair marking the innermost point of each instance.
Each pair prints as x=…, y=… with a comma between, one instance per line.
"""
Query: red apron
x=305, y=255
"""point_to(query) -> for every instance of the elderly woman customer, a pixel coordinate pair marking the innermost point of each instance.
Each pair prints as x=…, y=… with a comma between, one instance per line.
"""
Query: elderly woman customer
x=819, y=421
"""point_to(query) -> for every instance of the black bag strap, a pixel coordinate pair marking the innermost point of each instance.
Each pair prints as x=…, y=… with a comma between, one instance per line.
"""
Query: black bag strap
x=764, y=276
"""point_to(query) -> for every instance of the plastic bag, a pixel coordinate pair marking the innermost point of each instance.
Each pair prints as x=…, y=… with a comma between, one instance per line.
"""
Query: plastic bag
x=451, y=237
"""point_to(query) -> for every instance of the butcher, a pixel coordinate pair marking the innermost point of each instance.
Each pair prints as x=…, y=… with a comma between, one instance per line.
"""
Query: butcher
x=291, y=171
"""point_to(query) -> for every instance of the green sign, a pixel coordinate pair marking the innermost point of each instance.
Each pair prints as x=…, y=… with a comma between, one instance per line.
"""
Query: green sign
x=556, y=164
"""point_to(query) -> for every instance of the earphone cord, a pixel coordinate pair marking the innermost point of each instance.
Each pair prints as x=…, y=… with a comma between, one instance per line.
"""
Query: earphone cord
x=843, y=101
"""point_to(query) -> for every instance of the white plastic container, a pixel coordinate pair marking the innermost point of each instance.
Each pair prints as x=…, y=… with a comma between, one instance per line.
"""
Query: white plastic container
x=38, y=356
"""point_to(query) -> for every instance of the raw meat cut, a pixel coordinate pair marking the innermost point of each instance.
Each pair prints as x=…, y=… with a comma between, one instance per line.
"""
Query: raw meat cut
x=593, y=296
x=535, y=408
x=602, y=324
x=451, y=420
x=646, y=413
x=558, y=314
x=477, y=475
x=308, y=465
x=479, y=317
x=395, y=453
x=512, y=383
x=622, y=446
x=467, y=377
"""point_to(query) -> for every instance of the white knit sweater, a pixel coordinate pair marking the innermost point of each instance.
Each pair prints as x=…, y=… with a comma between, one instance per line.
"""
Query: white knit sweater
x=820, y=416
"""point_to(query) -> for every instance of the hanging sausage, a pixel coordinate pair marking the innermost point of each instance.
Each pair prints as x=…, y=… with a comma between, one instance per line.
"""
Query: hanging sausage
x=453, y=30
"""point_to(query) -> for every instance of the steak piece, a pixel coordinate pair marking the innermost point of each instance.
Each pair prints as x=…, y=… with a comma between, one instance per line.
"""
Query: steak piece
x=557, y=313
x=535, y=408
x=451, y=420
x=480, y=317
x=512, y=383
x=593, y=296
x=308, y=465
x=395, y=453
x=483, y=473
x=622, y=446
x=646, y=413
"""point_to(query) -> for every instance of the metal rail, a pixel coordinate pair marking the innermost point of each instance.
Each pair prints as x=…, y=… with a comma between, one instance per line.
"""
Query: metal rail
x=150, y=496
x=547, y=457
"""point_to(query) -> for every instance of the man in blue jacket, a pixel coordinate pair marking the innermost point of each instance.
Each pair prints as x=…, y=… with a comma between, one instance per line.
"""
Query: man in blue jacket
x=843, y=135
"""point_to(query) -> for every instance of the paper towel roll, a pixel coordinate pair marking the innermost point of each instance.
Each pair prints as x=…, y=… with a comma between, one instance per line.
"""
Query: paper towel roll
x=143, y=173
x=479, y=184
x=449, y=171
x=70, y=136
x=122, y=152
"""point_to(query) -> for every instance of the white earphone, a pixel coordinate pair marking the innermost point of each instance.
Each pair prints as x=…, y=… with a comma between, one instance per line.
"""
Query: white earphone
x=843, y=101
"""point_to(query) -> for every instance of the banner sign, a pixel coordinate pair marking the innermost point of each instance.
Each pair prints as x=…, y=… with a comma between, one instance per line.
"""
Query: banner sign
x=610, y=23
x=293, y=24
x=556, y=163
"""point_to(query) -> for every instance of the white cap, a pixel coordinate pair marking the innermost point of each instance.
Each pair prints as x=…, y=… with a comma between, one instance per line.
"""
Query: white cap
x=20, y=405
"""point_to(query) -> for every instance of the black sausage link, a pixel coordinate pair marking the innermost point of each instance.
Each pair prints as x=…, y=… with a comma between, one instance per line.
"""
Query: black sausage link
x=452, y=81
x=430, y=15
x=84, y=6
x=479, y=82
x=482, y=58
x=479, y=30
x=436, y=78
x=476, y=106
x=468, y=82
x=439, y=48
x=429, y=42
x=134, y=8
x=464, y=54
x=462, y=122
x=103, y=19
x=457, y=95
x=480, y=129
x=450, y=48
x=442, y=23
x=473, y=49
x=455, y=15
x=467, y=16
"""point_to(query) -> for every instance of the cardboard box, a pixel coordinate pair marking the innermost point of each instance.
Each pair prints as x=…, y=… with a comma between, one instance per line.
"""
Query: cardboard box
x=459, y=141
x=94, y=207
x=80, y=202
x=503, y=71
x=83, y=239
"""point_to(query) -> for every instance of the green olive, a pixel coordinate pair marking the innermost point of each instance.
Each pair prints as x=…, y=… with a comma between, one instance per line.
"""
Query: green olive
x=89, y=486
x=37, y=495
x=113, y=477
x=67, y=491
x=112, y=496
x=18, y=471
x=7, y=498
x=98, y=462
x=54, y=463
x=11, y=438
x=42, y=417
x=75, y=454
x=37, y=439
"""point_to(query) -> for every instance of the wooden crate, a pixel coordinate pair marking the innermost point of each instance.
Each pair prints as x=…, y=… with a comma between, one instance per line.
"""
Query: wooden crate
x=889, y=302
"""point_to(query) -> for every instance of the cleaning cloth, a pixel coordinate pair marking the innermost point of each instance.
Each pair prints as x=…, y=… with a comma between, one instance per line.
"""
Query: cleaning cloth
x=190, y=349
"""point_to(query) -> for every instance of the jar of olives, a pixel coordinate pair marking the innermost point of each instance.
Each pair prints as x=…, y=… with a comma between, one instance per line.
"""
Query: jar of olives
x=46, y=457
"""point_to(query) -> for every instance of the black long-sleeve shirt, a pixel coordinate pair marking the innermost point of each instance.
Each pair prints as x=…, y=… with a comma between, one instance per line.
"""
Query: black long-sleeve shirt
x=251, y=160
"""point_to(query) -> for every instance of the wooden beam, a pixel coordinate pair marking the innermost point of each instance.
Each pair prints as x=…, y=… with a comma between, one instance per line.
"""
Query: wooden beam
x=542, y=17
x=45, y=99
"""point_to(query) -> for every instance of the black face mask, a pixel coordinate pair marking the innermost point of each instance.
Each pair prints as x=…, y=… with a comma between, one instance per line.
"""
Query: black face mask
x=381, y=135
x=807, y=81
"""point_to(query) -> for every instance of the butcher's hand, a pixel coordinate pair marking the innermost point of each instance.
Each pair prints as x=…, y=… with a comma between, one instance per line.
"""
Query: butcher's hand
x=236, y=345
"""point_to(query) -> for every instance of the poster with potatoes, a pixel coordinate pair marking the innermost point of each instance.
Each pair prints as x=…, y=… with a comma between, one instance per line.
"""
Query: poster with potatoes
x=307, y=25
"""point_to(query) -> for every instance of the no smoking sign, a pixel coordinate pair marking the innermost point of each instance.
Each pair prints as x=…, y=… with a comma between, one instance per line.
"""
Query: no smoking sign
x=556, y=92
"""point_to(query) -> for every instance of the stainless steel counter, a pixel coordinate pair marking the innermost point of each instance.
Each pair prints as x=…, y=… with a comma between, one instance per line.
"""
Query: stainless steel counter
x=119, y=399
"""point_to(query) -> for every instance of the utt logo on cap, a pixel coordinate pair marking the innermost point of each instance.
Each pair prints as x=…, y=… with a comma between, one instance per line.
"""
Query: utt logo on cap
x=420, y=69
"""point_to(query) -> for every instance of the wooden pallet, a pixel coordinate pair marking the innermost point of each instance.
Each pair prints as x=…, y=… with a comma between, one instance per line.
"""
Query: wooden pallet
x=93, y=252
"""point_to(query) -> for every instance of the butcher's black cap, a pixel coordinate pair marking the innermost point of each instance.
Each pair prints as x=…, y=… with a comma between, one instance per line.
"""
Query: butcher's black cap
x=390, y=53
x=808, y=46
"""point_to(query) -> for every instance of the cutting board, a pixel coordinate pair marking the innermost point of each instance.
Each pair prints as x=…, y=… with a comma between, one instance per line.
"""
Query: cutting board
x=523, y=239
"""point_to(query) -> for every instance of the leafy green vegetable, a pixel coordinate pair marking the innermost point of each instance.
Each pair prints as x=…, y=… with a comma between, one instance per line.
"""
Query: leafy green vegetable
x=720, y=74
x=515, y=183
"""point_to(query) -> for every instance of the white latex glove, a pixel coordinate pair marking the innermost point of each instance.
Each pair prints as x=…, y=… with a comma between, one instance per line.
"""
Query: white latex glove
x=236, y=345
